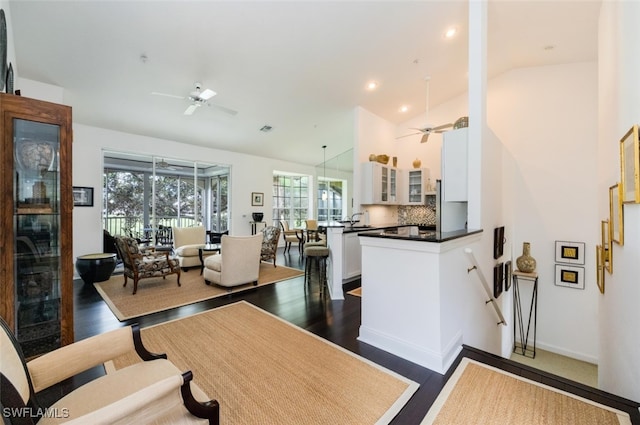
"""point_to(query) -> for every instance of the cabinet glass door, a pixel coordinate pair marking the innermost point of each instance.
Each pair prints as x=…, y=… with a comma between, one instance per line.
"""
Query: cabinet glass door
x=392, y=185
x=415, y=186
x=384, y=181
x=37, y=235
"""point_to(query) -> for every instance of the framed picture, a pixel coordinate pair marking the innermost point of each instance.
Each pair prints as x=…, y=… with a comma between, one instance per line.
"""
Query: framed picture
x=569, y=276
x=498, y=242
x=629, y=159
x=607, y=258
x=570, y=252
x=498, y=277
x=257, y=199
x=599, y=268
x=616, y=218
x=508, y=275
x=82, y=196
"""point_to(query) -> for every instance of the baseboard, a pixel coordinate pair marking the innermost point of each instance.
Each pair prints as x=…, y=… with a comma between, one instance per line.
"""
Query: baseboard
x=567, y=353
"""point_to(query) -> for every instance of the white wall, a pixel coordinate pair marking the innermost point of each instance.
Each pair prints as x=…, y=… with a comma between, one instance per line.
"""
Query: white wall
x=619, y=67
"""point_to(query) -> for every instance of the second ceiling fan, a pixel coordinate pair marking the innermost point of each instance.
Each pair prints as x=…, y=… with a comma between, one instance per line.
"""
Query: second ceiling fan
x=428, y=129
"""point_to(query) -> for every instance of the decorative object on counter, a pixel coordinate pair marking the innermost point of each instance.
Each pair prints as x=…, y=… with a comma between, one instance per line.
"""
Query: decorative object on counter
x=461, y=122
x=395, y=161
x=373, y=157
x=382, y=159
x=526, y=263
x=257, y=216
x=417, y=163
x=257, y=199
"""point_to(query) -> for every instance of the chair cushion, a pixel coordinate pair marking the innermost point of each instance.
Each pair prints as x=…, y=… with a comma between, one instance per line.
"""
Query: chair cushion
x=316, y=251
x=110, y=388
x=189, y=250
x=214, y=262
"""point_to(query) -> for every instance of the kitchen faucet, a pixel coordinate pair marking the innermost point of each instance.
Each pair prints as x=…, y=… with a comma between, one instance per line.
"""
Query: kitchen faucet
x=352, y=219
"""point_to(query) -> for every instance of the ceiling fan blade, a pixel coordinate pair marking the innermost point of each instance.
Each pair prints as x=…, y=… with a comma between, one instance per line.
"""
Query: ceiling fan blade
x=223, y=109
x=406, y=135
x=167, y=95
x=420, y=129
x=191, y=109
x=425, y=138
x=441, y=127
x=206, y=94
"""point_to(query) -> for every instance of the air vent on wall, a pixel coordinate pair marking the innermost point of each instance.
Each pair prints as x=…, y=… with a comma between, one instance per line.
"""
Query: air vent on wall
x=266, y=128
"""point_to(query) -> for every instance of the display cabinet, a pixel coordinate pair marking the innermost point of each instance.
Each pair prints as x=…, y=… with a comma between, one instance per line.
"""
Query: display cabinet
x=416, y=186
x=380, y=184
x=36, y=212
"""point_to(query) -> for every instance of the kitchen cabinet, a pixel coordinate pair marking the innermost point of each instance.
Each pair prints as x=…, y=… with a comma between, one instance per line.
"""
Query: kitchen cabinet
x=35, y=214
x=455, y=165
x=380, y=184
x=351, y=256
x=415, y=186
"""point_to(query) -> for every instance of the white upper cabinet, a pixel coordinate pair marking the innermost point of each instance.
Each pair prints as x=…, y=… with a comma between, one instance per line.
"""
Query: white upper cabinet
x=380, y=184
x=455, y=165
x=415, y=186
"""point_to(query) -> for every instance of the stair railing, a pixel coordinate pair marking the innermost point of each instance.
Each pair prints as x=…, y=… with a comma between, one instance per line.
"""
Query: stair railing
x=485, y=285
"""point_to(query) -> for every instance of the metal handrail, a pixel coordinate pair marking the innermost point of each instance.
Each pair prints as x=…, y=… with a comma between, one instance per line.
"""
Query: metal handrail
x=485, y=285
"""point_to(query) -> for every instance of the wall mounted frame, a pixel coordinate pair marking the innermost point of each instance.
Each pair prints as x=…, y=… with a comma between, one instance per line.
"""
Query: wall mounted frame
x=616, y=214
x=569, y=276
x=599, y=268
x=607, y=257
x=569, y=252
x=629, y=166
x=257, y=199
x=82, y=196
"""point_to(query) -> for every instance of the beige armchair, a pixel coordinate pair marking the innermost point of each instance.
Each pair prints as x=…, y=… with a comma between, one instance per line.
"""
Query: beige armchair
x=146, y=392
x=290, y=236
x=186, y=243
x=238, y=262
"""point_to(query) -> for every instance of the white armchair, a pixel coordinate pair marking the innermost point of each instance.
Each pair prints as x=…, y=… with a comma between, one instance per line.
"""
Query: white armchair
x=186, y=242
x=238, y=262
x=143, y=393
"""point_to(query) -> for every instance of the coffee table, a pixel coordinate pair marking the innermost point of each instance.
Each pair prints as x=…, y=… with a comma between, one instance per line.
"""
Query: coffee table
x=210, y=247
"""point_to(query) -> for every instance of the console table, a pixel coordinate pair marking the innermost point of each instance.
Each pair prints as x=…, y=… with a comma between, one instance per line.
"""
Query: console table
x=523, y=347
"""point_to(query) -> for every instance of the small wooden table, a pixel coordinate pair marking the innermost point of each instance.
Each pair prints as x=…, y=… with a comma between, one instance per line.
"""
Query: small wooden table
x=210, y=247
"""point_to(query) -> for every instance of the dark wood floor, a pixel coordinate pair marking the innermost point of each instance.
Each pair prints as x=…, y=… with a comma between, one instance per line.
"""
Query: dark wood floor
x=337, y=321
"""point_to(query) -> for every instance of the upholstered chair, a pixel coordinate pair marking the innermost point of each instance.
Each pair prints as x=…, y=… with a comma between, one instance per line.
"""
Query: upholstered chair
x=238, y=262
x=290, y=236
x=148, y=391
x=271, y=234
x=187, y=241
x=312, y=229
x=320, y=238
x=144, y=264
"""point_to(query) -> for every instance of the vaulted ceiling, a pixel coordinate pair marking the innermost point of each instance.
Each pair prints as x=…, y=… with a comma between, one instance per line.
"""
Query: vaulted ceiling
x=298, y=66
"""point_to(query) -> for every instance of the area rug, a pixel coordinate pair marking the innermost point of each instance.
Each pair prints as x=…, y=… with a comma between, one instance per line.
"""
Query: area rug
x=158, y=294
x=356, y=292
x=264, y=370
x=481, y=394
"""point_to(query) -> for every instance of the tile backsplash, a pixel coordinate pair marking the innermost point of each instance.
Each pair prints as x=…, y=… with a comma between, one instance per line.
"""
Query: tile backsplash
x=418, y=214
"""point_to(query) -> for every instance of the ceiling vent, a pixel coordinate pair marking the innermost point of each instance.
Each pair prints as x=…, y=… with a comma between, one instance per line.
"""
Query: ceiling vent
x=266, y=128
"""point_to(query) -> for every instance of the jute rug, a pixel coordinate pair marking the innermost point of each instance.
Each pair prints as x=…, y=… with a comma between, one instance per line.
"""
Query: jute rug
x=158, y=294
x=264, y=370
x=481, y=394
x=356, y=292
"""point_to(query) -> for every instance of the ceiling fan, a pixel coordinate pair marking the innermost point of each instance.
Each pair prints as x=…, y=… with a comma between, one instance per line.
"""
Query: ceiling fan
x=198, y=98
x=428, y=129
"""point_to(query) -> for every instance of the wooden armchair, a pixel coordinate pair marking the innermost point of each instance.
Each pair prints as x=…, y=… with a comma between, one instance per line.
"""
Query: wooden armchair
x=271, y=234
x=143, y=264
x=146, y=392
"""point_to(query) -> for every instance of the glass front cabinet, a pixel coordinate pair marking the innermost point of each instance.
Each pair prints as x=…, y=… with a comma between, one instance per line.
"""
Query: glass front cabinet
x=36, y=212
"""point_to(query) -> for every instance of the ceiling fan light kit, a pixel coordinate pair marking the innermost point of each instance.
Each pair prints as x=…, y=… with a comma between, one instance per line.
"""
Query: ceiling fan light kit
x=198, y=97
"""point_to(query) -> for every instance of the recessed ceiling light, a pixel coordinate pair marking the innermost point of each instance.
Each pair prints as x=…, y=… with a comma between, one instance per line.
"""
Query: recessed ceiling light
x=450, y=32
x=549, y=47
x=403, y=109
x=372, y=85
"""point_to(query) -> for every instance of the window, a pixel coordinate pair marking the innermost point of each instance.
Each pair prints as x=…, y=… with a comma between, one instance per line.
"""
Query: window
x=291, y=199
x=330, y=206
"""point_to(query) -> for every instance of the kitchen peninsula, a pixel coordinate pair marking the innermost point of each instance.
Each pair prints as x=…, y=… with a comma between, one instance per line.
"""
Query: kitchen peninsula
x=410, y=293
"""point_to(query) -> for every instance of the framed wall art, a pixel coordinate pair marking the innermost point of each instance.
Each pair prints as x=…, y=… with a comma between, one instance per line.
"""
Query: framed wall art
x=508, y=275
x=257, y=199
x=629, y=165
x=616, y=218
x=569, y=276
x=82, y=196
x=570, y=252
x=599, y=268
x=607, y=257
x=498, y=277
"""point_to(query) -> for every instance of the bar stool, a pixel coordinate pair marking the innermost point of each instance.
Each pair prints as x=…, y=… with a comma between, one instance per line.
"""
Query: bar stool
x=319, y=255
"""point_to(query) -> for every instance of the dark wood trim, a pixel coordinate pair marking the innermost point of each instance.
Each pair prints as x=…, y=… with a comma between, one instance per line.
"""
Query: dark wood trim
x=144, y=354
x=209, y=410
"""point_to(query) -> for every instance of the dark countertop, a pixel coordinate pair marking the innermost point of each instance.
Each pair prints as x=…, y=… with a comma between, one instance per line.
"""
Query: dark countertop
x=423, y=236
